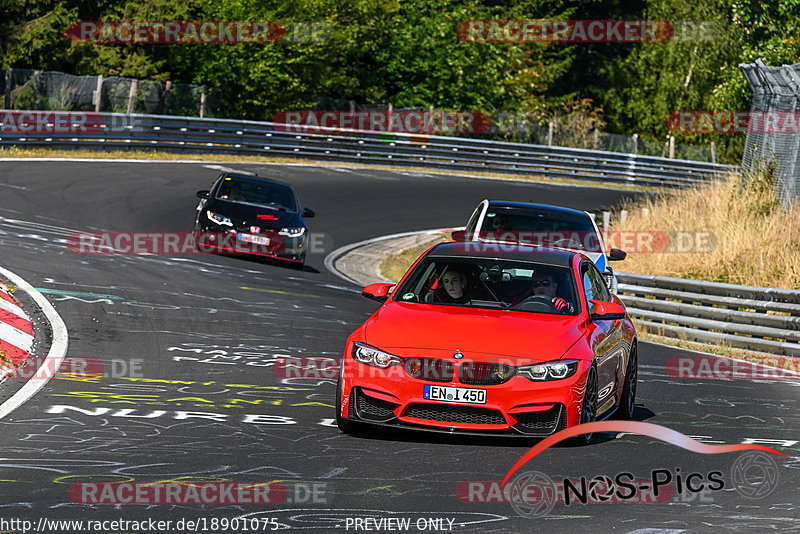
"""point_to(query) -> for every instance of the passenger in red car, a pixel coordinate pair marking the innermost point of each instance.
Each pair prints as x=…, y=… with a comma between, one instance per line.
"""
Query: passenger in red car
x=454, y=283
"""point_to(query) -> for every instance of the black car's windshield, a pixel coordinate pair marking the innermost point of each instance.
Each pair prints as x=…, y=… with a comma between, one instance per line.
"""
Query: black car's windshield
x=544, y=228
x=257, y=192
x=490, y=283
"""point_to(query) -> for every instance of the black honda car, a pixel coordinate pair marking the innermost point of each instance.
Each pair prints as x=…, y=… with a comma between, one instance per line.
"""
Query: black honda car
x=243, y=214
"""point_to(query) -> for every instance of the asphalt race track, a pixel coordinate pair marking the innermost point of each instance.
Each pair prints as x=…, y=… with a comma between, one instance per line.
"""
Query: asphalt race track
x=195, y=337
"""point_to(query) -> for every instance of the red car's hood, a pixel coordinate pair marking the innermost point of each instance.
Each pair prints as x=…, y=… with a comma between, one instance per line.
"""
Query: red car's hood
x=536, y=336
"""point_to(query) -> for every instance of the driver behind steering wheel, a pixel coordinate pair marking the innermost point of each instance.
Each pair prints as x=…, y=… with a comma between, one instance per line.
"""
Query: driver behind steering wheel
x=544, y=284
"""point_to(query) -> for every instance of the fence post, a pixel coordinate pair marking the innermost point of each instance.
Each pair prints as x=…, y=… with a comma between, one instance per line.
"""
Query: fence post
x=98, y=94
x=8, y=89
x=36, y=98
x=671, y=147
x=550, y=133
x=635, y=139
x=202, y=101
x=132, y=95
x=167, y=89
x=606, y=220
x=713, y=152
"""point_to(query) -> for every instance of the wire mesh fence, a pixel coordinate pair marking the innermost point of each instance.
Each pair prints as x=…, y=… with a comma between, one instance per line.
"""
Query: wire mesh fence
x=29, y=89
x=776, y=92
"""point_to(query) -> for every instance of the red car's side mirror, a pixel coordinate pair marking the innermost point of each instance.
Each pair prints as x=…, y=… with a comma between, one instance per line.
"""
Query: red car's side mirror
x=605, y=311
x=379, y=292
x=459, y=236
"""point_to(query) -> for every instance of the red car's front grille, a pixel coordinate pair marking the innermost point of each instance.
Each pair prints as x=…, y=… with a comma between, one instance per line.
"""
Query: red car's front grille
x=431, y=369
x=455, y=414
x=484, y=373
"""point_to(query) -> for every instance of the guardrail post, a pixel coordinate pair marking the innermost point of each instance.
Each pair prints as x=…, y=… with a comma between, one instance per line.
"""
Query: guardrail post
x=623, y=214
x=635, y=139
x=713, y=152
x=202, y=101
x=98, y=94
x=36, y=99
x=606, y=220
x=132, y=95
x=645, y=212
x=671, y=147
x=550, y=133
x=167, y=89
x=8, y=89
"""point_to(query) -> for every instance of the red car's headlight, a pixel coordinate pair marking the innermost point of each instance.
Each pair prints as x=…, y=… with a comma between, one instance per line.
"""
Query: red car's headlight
x=556, y=370
x=365, y=354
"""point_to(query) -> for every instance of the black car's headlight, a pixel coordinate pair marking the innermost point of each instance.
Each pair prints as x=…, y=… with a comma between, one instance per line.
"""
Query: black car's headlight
x=219, y=219
x=556, y=370
x=292, y=232
x=365, y=354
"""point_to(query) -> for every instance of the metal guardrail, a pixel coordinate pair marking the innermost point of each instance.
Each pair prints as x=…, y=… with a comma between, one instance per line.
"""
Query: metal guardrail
x=188, y=134
x=755, y=318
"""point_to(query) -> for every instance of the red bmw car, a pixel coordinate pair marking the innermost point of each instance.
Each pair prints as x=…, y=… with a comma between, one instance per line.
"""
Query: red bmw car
x=483, y=338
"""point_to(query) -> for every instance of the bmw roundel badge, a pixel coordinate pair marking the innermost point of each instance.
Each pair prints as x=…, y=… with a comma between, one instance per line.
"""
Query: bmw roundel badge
x=458, y=355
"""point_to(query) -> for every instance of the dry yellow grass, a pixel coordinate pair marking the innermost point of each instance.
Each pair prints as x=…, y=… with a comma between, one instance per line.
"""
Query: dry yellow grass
x=757, y=243
x=394, y=266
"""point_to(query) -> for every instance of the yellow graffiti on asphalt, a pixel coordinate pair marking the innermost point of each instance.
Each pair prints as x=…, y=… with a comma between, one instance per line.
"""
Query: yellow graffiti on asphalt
x=161, y=400
x=91, y=478
x=280, y=292
x=93, y=378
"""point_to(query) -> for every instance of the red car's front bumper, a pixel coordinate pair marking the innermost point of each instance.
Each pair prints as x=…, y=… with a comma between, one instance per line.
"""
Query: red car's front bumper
x=518, y=406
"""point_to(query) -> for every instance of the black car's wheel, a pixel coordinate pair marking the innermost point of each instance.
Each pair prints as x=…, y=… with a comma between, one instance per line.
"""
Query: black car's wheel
x=626, y=403
x=589, y=408
x=345, y=425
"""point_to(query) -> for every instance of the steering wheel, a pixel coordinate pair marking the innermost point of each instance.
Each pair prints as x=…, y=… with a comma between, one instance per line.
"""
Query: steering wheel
x=536, y=303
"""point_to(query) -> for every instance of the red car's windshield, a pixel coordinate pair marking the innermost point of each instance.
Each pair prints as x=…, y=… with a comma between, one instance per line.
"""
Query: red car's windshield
x=491, y=283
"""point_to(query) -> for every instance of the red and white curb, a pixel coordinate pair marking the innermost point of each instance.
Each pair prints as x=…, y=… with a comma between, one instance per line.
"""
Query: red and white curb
x=16, y=338
x=16, y=333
